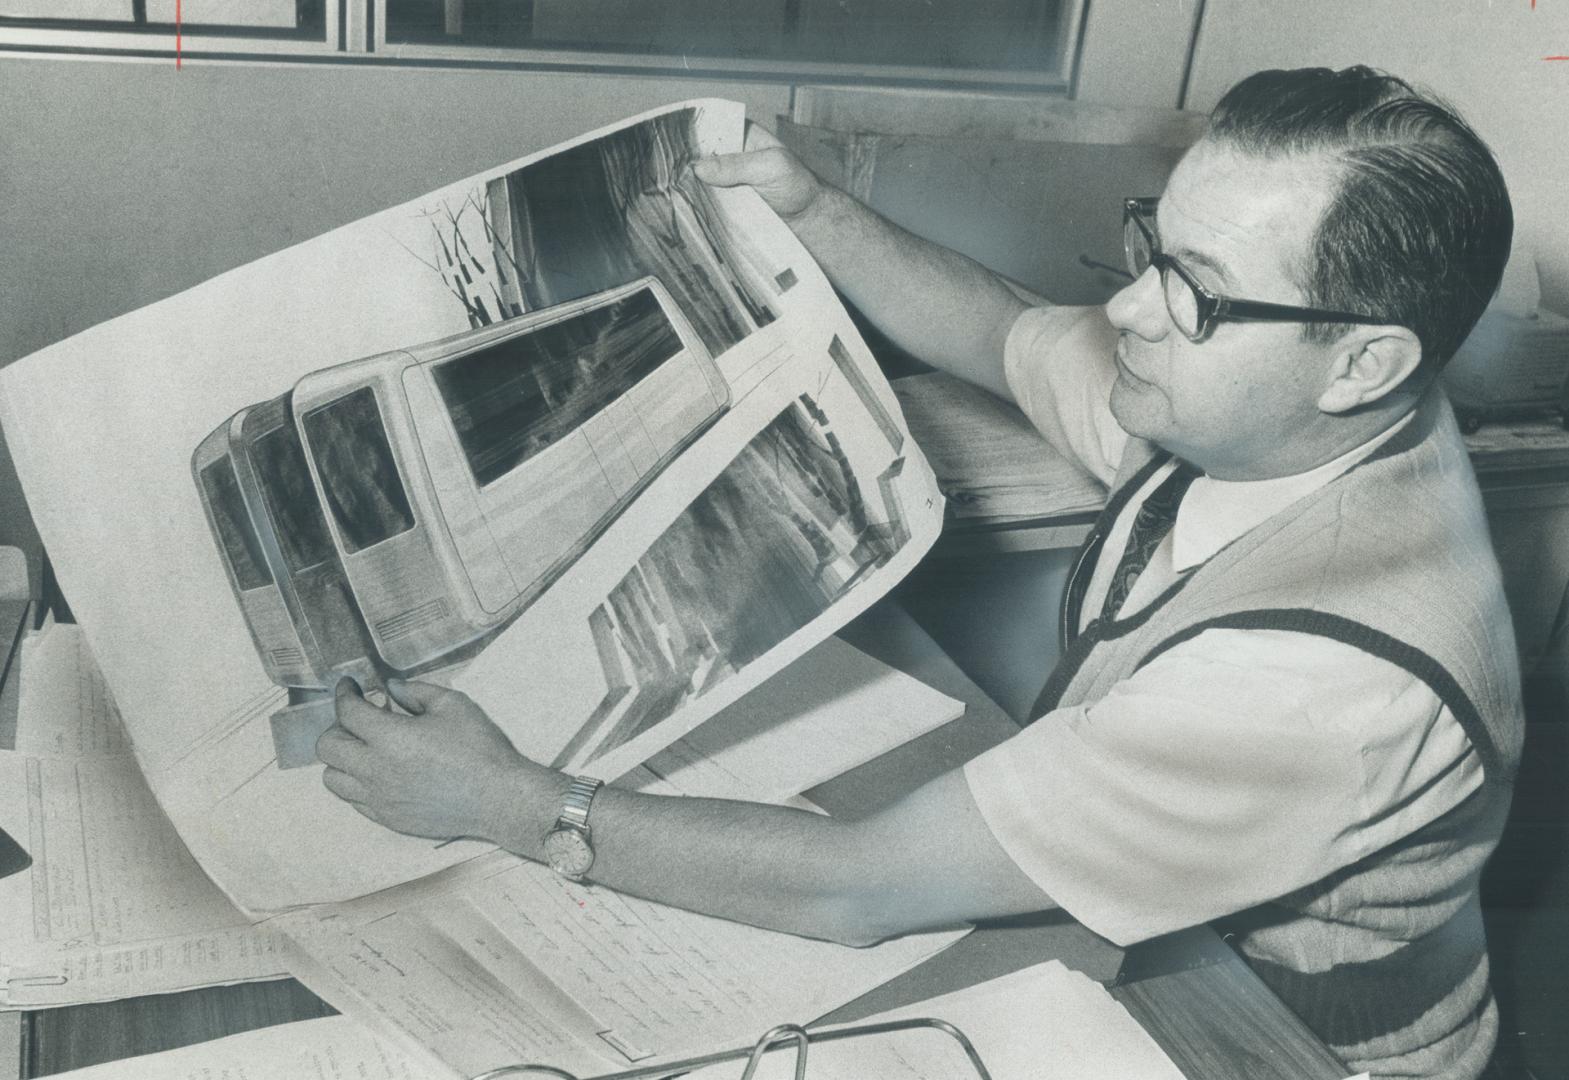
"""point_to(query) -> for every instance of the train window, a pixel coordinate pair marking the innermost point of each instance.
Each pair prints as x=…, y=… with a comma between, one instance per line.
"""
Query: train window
x=285, y=480
x=358, y=473
x=240, y=544
x=515, y=398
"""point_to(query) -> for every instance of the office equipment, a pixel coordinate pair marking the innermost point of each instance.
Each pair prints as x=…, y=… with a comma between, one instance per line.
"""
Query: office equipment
x=1511, y=367
x=794, y=1036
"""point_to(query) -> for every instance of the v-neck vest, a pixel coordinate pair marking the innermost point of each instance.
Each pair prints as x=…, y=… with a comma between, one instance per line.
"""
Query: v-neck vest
x=1386, y=957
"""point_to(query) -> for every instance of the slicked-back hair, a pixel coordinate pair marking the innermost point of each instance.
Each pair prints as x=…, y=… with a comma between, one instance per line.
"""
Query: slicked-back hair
x=1419, y=231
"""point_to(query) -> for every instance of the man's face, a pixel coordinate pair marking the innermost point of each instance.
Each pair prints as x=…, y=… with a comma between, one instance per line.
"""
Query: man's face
x=1242, y=226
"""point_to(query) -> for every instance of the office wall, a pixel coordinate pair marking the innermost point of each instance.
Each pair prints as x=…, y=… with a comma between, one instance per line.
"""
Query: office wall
x=122, y=182
x=1487, y=58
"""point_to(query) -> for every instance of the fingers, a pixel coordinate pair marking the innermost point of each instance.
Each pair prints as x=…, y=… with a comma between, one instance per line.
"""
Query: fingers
x=338, y=749
x=344, y=786
x=758, y=169
x=416, y=697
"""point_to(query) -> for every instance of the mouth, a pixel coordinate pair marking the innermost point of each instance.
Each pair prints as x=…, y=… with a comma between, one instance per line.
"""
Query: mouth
x=1123, y=368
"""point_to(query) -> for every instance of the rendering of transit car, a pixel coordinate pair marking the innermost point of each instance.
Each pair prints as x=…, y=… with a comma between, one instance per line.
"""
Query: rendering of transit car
x=461, y=477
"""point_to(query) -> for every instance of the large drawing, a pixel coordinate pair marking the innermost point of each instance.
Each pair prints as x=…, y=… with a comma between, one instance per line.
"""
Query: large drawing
x=578, y=435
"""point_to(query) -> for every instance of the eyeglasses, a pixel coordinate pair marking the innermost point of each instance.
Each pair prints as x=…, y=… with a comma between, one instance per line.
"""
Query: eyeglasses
x=1194, y=309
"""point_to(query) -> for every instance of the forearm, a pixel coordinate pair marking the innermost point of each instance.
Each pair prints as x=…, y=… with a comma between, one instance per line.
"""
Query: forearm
x=443, y=769
x=926, y=862
x=938, y=305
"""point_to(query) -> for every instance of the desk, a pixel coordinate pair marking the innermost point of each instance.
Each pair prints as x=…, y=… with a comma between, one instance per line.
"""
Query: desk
x=1191, y=992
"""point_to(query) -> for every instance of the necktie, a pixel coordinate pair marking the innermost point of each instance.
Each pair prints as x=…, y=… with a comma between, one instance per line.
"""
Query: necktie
x=1150, y=526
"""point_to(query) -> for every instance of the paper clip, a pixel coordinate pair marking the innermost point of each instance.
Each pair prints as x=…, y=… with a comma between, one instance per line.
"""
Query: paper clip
x=754, y=1053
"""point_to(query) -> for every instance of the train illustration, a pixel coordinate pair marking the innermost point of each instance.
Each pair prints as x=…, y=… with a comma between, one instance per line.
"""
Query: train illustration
x=392, y=514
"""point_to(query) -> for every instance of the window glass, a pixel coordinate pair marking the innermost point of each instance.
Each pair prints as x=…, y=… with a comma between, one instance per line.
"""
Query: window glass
x=358, y=473
x=511, y=400
x=279, y=461
x=232, y=522
x=960, y=34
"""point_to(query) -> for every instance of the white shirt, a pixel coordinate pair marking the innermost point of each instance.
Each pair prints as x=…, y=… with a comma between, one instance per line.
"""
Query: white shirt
x=1236, y=767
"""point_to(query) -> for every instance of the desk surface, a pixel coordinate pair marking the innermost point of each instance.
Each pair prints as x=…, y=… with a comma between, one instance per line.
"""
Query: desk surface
x=1198, y=1000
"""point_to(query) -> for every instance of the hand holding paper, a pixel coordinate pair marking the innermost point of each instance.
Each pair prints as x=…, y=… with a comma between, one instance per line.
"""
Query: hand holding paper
x=441, y=772
x=776, y=174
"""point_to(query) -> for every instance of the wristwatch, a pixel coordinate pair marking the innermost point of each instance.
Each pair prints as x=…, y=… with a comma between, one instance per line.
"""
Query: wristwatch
x=567, y=848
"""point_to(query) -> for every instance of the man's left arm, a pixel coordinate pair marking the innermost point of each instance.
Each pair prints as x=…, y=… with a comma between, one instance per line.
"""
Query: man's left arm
x=928, y=860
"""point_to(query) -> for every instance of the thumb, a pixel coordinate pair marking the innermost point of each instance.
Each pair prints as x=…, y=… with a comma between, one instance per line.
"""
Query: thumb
x=346, y=690
x=415, y=697
x=729, y=170
x=759, y=138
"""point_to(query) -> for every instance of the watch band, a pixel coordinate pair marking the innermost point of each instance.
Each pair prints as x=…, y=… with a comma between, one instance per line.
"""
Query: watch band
x=577, y=803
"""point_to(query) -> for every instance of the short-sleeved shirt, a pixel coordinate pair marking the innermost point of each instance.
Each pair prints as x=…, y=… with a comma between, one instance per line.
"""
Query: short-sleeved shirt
x=1237, y=766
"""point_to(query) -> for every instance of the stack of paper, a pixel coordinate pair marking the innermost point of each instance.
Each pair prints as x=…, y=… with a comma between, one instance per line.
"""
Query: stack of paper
x=113, y=905
x=990, y=462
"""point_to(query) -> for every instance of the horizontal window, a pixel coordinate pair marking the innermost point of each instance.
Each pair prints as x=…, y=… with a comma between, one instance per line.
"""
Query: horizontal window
x=933, y=42
x=962, y=35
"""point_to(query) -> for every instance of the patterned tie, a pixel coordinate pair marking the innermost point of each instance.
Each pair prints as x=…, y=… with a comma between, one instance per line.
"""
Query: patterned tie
x=1150, y=526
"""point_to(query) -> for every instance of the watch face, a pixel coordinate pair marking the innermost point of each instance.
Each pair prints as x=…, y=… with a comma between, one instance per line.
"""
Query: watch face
x=568, y=853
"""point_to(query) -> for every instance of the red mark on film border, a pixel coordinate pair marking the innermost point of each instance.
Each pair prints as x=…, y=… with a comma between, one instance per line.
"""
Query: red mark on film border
x=178, y=44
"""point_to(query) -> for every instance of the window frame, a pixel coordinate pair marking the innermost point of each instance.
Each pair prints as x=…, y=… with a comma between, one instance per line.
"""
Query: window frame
x=96, y=38
x=356, y=30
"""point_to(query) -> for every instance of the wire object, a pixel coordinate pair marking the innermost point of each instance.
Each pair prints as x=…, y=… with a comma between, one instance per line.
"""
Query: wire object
x=754, y=1053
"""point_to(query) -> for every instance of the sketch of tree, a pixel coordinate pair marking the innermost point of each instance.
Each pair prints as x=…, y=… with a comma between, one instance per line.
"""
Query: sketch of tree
x=470, y=268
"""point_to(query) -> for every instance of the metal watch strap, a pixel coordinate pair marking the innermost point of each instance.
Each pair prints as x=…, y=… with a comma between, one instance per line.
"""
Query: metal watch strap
x=576, y=804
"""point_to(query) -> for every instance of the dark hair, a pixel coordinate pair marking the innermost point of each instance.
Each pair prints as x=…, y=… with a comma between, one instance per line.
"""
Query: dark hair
x=1419, y=231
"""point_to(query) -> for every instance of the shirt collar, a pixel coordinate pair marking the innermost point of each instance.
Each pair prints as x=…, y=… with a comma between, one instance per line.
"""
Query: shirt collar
x=1216, y=512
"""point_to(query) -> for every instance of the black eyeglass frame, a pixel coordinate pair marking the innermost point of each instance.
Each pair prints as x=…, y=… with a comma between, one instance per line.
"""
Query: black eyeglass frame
x=1213, y=308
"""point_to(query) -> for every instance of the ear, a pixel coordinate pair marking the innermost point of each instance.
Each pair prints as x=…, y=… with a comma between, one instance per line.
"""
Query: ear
x=1370, y=363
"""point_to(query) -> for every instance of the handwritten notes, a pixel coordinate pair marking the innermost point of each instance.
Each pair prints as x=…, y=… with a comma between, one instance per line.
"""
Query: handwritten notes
x=525, y=966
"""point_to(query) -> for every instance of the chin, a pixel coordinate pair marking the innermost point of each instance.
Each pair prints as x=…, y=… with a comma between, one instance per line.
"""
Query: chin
x=1137, y=409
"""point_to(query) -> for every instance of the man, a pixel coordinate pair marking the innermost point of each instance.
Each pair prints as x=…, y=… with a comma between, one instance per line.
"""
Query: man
x=1290, y=705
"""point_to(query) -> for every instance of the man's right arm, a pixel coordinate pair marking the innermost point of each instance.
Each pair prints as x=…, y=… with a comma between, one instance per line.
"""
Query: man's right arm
x=939, y=306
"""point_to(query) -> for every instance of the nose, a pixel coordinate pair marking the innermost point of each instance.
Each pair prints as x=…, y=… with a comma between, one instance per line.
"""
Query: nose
x=1139, y=307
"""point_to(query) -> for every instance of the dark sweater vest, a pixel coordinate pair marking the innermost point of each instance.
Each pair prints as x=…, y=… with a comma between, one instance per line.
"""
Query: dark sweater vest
x=1386, y=958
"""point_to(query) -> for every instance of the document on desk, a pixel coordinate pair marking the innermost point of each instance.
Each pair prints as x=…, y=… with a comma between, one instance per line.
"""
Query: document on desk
x=526, y=966
x=605, y=529
x=1042, y=1021
x=113, y=904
